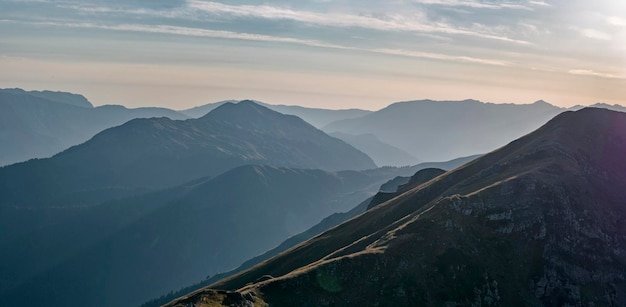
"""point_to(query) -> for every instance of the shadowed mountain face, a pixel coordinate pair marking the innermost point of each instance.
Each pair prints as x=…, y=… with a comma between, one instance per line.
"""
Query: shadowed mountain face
x=391, y=187
x=159, y=152
x=41, y=124
x=443, y=130
x=124, y=252
x=537, y=222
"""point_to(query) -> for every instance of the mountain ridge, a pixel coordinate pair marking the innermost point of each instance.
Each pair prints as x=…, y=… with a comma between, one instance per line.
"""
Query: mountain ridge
x=160, y=152
x=41, y=124
x=530, y=223
x=441, y=130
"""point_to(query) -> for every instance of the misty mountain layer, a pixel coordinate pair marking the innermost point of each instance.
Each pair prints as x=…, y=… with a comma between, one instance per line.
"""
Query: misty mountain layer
x=443, y=130
x=41, y=124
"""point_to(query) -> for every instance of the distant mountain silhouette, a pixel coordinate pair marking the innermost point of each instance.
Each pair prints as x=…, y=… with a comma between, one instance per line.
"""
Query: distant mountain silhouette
x=443, y=130
x=318, y=117
x=124, y=252
x=382, y=153
x=159, y=152
x=76, y=100
x=314, y=116
x=614, y=107
x=538, y=222
x=40, y=124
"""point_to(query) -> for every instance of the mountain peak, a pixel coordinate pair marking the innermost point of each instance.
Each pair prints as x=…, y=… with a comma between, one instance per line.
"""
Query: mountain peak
x=242, y=110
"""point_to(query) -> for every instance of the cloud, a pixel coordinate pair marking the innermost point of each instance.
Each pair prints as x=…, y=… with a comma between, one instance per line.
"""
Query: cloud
x=539, y=3
x=616, y=21
x=439, y=56
x=485, y=5
x=93, y=9
x=595, y=34
x=587, y=72
x=415, y=22
x=198, y=32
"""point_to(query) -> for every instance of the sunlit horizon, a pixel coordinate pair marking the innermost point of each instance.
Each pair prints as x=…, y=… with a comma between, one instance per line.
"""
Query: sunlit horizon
x=323, y=54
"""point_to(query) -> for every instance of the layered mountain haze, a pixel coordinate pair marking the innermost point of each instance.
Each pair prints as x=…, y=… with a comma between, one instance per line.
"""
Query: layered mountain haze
x=314, y=116
x=537, y=222
x=39, y=124
x=443, y=130
x=160, y=152
x=142, y=196
x=382, y=153
x=424, y=172
x=160, y=241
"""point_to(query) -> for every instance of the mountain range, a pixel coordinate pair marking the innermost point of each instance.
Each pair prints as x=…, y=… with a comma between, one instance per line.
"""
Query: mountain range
x=314, y=116
x=159, y=152
x=111, y=215
x=538, y=222
x=443, y=130
x=269, y=202
x=43, y=123
x=39, y=124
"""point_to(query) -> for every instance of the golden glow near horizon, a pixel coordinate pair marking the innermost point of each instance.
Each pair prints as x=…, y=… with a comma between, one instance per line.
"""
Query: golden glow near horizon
x=329, y=54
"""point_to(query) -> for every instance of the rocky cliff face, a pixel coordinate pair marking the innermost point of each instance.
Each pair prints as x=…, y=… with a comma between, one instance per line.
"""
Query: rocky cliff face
x=538, y=222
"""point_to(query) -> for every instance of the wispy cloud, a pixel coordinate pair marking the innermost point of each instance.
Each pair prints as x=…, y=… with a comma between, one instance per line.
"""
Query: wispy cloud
x=616, y=21
x=198, y=32
x=407, y=22
x=486, y=5
x=439, y=56
x=588, y=72
x=96, y=9
x=595, y=34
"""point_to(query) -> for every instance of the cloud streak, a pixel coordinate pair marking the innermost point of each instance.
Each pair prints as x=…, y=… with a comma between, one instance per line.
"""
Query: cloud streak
x=198, y=32
x=595, y=34
x=439, y=56
x=484, y=5
x=415, y=22
x=588, y=72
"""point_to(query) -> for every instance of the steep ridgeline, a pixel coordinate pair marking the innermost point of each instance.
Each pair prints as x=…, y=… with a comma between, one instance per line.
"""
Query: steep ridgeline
x=397, y=184
x=442, y=130
x=159, y=152
x=39, y=124
x=537, y=222
x=125, y=252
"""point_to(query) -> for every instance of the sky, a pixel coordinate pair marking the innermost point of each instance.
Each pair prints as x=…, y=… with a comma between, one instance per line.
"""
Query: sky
x=331, y=54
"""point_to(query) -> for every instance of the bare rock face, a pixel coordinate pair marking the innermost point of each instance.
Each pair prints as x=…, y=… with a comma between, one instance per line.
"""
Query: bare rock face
x=538, y=222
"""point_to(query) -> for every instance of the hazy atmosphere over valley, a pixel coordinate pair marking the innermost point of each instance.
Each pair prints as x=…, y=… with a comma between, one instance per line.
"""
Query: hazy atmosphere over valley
x=252, y=153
